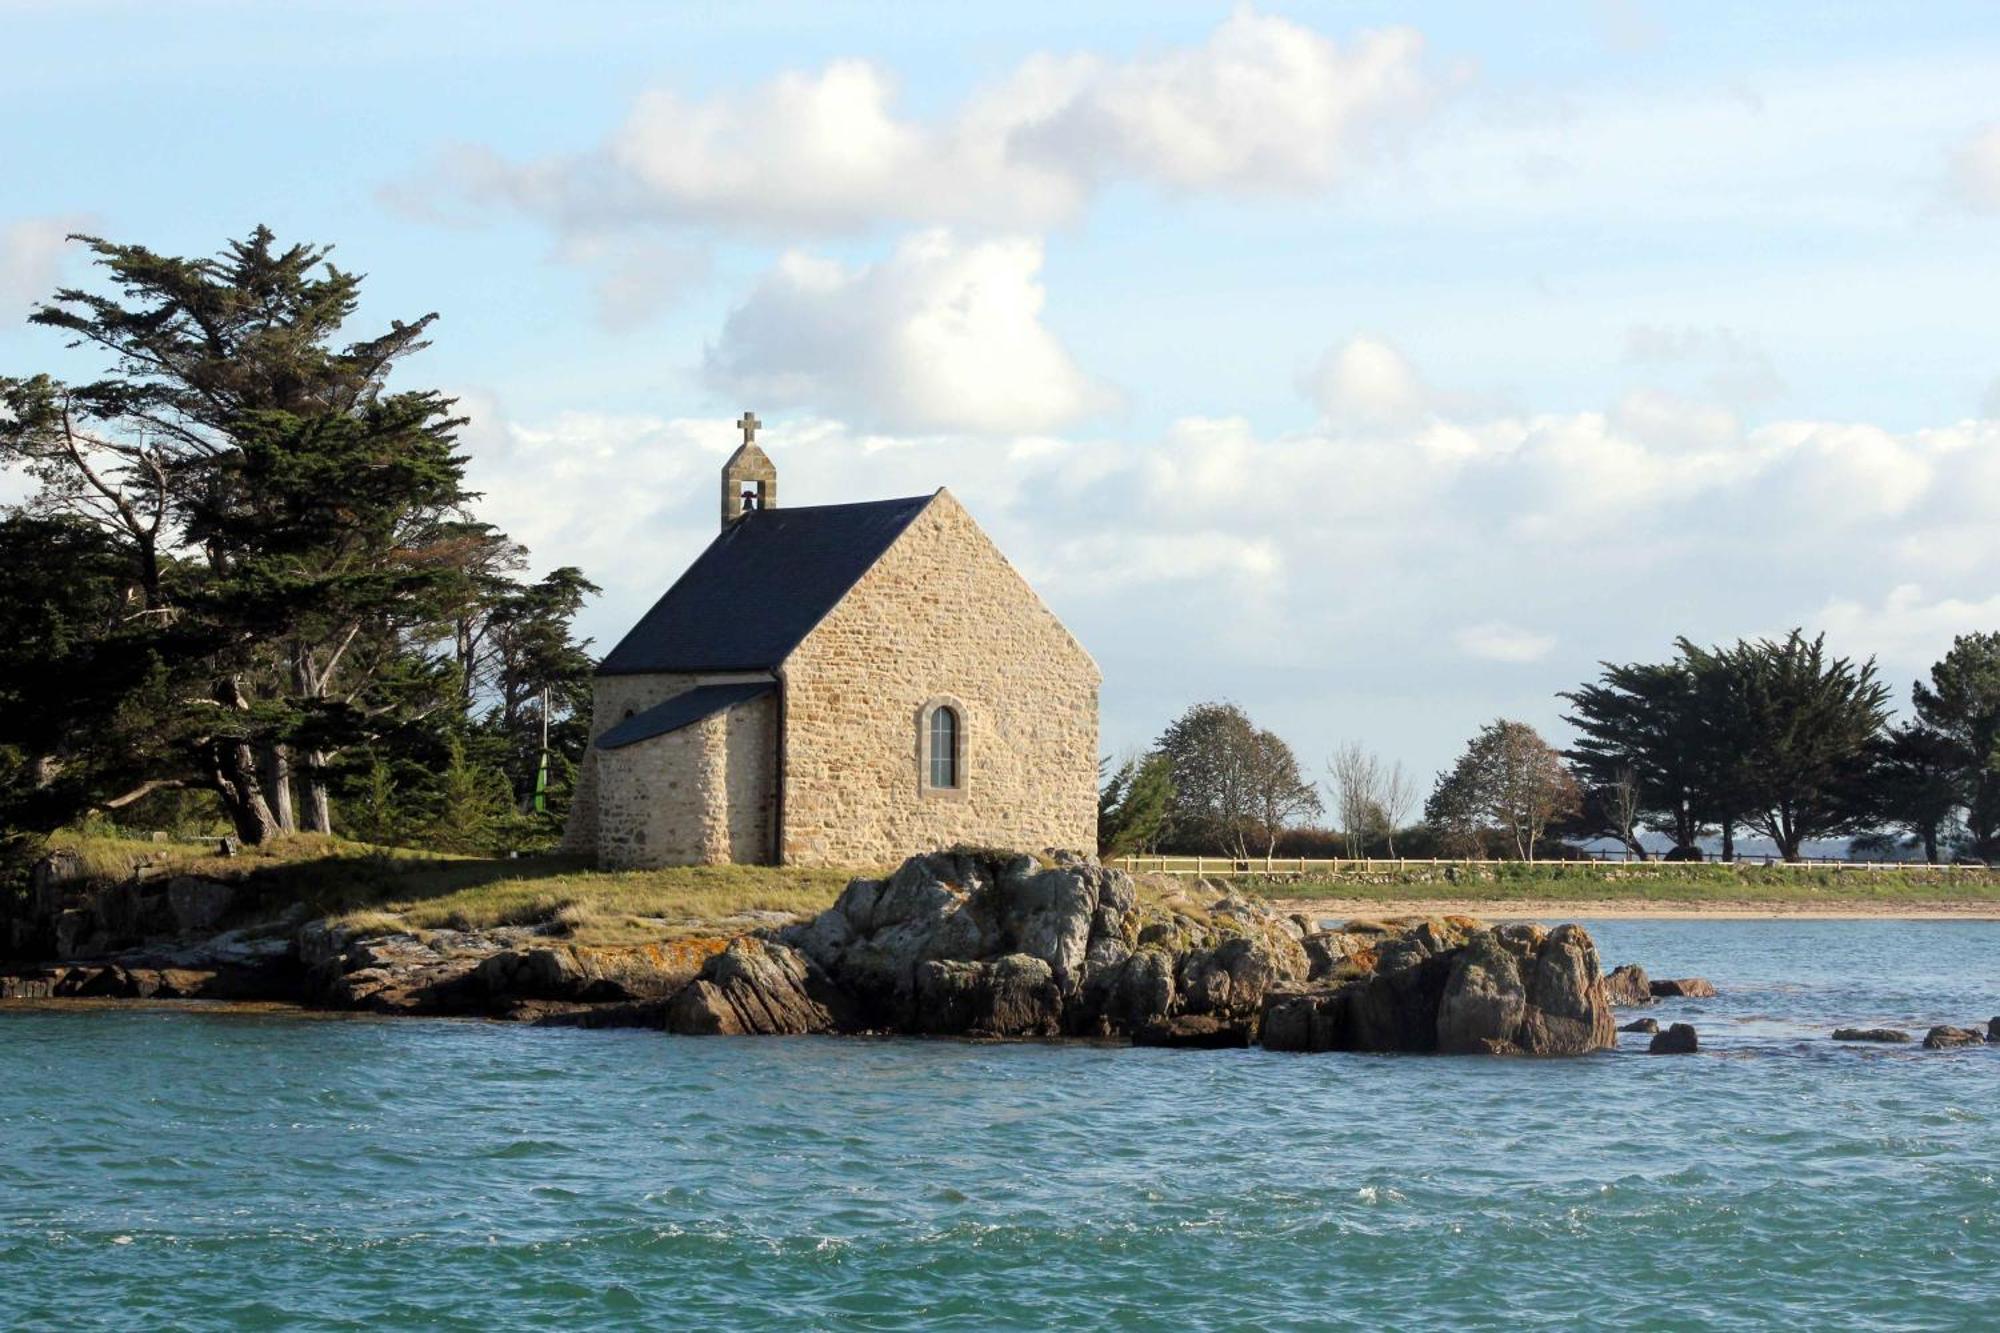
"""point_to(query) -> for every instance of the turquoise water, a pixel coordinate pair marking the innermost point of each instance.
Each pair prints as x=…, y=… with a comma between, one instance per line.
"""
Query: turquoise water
x=227, y=1170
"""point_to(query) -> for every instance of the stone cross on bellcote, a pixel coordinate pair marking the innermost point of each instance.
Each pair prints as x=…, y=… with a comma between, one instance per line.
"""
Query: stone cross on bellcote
x=749, y=482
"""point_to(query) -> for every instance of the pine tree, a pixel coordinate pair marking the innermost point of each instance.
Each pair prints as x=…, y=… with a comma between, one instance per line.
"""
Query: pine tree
x=1135, y=806
x=293, y=531
x=1961, y=702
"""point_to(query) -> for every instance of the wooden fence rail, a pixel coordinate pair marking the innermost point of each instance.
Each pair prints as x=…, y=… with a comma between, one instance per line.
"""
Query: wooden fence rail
x=1302, y=865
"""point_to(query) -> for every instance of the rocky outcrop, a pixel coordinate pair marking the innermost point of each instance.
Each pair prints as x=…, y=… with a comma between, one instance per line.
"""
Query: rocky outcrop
x=981, y=943
x=198, y=905
x=1683, y=988
x=1456, y=986
x=398, y=973
x=1014, y=996
x=962, y=943
x=1680, y=1039
x=966, y=907
x=141, y=981
x=1944, y=1037
x=69, y=913
x=758, y=988
x=156, y=932
x=507, y=972
x=1646, y=1025
x=1627, y=986
x=1870, y=1034
x=1196, y=1032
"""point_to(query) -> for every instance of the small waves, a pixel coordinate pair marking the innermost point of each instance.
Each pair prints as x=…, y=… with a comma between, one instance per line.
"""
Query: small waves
x=199, y=1171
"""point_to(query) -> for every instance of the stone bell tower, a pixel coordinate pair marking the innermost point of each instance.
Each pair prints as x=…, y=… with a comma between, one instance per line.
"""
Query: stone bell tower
x=749, y=481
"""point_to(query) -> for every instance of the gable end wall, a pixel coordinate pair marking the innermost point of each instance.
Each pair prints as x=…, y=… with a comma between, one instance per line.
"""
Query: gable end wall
x=941, y=616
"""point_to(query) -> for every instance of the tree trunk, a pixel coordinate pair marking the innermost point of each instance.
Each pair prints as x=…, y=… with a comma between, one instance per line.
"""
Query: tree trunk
x=1931, y=843
x=149, y=574
x=319, y=806
x=1728, y=839
x=242, y=796
x=1789, y=836
x=278, y=787
x=233, y=770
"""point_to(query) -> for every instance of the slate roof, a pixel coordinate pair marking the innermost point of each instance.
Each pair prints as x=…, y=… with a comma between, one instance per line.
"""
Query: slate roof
x=683, y=710
x=761, y=587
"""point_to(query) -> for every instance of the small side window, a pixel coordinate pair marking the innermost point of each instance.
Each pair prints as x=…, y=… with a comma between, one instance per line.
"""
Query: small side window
x=944, y=748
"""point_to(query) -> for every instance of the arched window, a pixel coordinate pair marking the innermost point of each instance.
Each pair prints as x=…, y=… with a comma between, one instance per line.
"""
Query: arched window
x=944, y=747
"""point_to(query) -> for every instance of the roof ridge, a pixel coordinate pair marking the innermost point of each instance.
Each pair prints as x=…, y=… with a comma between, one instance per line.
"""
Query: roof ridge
x=761, y=585
x=779, y=511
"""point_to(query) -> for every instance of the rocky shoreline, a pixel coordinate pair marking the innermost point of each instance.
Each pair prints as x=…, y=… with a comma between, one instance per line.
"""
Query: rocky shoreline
x=963, y=943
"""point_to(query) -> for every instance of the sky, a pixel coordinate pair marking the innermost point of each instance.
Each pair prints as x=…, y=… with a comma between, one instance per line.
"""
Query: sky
x=1381, y=369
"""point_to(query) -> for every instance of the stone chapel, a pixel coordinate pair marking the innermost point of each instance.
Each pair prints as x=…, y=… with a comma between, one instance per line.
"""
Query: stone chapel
x=842, y=684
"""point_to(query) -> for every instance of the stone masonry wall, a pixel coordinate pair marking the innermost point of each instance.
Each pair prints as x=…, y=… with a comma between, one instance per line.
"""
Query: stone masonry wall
x=615, y=698
x=942, y=616
x=612, y=700
x=698, y=796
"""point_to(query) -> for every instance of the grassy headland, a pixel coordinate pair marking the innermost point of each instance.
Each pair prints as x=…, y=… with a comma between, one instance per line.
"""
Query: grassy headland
x=435, y=891
x=1681, y=887
x=397, y=888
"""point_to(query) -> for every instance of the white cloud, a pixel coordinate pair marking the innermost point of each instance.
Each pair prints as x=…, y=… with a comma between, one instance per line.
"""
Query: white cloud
x=1905, y=630
x=1974, y=172
x=1497, y=642
x=31, y=258
x=1263, y=105
x=1735, y=369
x=1846, y=471
x=943, y=335
x=1345, y=577
x=1366, y=381
x=1127, y=559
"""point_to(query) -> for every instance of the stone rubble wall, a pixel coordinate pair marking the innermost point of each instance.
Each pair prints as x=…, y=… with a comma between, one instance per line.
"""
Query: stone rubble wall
x=698, y=796
x=941, y=617
x=612, y=700
x=702, y=795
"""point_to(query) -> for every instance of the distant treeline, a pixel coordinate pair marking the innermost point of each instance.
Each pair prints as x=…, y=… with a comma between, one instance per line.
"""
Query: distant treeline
x=248, y=590
x=1772, y=737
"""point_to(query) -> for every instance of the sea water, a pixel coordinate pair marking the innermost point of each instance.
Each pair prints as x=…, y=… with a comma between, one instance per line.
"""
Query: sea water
x=223, y=1169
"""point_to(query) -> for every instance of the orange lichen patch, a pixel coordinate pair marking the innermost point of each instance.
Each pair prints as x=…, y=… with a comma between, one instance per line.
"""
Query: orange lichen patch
x=656, y=966
x=1468, y=924
x=689, y=951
